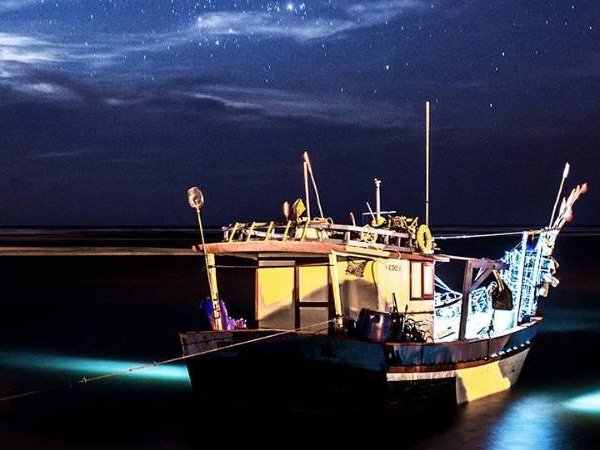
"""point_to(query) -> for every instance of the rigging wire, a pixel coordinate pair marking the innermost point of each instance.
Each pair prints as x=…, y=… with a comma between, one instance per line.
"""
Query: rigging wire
x=86, y=380
x=507, y=233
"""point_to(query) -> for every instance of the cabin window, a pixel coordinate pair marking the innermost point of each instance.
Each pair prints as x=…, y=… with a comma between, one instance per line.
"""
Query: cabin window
x=428, y=281
x=422, y=280
x=415, y=280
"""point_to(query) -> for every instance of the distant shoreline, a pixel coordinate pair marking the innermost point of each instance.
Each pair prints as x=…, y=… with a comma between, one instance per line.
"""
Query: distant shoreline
x=183, y=232
x=19, y=251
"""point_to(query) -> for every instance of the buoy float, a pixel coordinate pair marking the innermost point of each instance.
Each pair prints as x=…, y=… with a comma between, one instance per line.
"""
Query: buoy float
x=424, y=239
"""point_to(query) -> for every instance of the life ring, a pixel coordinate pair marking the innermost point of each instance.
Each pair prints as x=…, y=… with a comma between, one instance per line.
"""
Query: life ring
x=424, y=240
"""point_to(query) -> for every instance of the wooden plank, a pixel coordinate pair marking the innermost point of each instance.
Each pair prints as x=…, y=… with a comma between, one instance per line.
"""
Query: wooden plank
x=310, y=304
x=477, y=263
x=464, y=312
x=484, y=276
x=296, y=296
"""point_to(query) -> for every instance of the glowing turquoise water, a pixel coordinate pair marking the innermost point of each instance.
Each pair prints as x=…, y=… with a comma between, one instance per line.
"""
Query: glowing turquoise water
x=90, y=367
x=586, y=403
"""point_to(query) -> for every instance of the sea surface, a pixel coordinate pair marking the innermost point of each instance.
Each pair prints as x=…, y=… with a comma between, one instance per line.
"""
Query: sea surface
x=65, y=321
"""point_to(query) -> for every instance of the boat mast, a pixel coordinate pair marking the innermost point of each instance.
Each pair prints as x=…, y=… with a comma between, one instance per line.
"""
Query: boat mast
x=562, y=182
x=196, y=201
x=377, y=200
x=306, y=193
x=314, y=183
x=427, y=163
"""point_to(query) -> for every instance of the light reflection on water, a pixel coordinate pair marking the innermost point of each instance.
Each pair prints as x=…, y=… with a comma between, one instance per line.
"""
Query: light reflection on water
x=550, y=419
x=84, y=366
x=587, y=403
x=529, y=422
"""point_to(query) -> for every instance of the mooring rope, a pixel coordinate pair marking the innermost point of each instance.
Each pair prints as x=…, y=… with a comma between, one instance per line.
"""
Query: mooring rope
x=86, y=380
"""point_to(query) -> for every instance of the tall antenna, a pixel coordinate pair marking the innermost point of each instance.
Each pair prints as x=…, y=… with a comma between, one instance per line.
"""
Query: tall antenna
x=427, y=163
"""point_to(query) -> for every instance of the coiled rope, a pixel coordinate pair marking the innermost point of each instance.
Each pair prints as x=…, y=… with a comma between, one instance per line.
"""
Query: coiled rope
x=86, y=380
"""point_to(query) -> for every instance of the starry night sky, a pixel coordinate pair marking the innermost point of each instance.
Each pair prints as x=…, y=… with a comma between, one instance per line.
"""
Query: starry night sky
x=111, y=109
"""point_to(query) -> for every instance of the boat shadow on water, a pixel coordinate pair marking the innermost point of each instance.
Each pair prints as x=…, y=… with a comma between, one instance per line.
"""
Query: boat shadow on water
x=91, y=417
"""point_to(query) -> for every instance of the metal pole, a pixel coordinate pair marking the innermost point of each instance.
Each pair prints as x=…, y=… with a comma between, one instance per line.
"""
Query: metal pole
x=464, y=309
x=306, y=193
x=427, y=163
x=211, y=272
x=335, y=289
x=377, y=200
x=562, y=182
x=519, y=294
x=196, y=201
x=314, y=183
x=371, y=211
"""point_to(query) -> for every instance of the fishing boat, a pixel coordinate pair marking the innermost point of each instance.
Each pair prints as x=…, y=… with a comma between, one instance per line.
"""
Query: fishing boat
x=360, y=312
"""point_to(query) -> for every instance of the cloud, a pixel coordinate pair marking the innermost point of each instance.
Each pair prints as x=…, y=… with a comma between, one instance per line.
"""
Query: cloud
x=100, y=52
x=27, y=60
x=264, y=24
x=300, y=23
x=48, y=90
x=23, y=49
x=19, y=54
x=11, y=5
x=379, y=11
x=283, y=104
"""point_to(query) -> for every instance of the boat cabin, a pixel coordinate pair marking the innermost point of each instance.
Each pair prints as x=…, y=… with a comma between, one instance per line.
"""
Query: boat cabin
x=307, y=274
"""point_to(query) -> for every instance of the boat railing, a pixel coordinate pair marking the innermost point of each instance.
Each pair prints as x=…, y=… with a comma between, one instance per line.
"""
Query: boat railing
x=319, y=229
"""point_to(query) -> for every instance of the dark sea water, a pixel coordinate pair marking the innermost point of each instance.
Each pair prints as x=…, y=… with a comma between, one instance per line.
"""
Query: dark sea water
x=66, y=318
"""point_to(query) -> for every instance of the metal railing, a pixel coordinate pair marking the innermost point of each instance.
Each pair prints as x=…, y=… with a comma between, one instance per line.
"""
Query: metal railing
x=319, y=230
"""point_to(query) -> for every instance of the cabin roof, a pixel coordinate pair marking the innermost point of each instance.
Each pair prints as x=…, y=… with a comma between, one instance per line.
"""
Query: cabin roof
x=304, y=249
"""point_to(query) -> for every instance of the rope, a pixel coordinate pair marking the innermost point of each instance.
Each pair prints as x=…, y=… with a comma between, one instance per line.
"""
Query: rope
x=508, y=233
x=23, y=394
x=441, y=284
x=86, y=380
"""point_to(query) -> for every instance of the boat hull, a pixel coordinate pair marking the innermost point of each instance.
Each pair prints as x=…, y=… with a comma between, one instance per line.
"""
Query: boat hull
x=470, y=381
x=303, y=370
